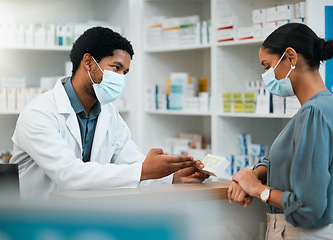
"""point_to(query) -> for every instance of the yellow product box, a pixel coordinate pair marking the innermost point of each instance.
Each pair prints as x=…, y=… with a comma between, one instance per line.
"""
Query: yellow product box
x=227, y=107
x=249, y=107
x=227, y=97
x=239, y=107
x=215, y=165
x=249, y=97
x=237, y=97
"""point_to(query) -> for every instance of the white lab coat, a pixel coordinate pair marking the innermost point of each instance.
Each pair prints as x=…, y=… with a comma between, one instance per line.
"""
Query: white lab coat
x=48, y=149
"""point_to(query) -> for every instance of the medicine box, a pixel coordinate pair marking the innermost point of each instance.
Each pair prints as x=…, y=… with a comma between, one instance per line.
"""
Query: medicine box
x=259, y=16
x=244, y=33
x=259, y=30
x=3, y=99
x=285, y=12
x=300, y=10
x=215, y=165
x=271, y=14
x=11, y=99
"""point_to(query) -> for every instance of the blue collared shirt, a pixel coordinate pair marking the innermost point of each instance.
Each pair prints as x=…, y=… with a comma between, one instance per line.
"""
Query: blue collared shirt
x=300, y=164
x=87, y=124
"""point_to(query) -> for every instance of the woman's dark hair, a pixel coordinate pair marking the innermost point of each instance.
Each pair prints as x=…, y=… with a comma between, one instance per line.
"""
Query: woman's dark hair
x=99, y=42
x=303, y=40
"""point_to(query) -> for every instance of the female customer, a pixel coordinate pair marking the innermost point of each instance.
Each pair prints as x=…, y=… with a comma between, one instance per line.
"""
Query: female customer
x=299, y=169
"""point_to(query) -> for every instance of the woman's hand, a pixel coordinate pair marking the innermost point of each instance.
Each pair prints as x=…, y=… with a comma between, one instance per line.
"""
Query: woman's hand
x=238, y=195
x=249, y=182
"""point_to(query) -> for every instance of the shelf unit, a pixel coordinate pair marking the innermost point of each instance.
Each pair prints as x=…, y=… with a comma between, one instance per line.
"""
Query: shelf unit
x=229, y=65
x=35, y=61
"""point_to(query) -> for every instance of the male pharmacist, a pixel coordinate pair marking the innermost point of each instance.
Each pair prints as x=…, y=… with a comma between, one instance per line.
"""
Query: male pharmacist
x=73, y=138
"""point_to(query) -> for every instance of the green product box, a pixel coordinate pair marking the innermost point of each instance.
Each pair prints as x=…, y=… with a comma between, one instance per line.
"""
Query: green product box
x=239, y=107
x=227, y=98
x=249, y=97
x=249, y=107
x=227, y=107
x=237, y=97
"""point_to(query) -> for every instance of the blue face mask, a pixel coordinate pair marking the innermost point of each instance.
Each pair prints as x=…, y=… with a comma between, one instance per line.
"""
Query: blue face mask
x=280, y=87
x=110, y=87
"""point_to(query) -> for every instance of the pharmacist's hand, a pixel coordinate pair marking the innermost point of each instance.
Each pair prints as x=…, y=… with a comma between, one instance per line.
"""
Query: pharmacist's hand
x=158, y=165
x=190, y=174
x=249, y=182
x=238, y=195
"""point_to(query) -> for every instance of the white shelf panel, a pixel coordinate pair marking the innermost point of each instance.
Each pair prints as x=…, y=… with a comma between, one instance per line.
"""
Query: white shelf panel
x=241, y=42
x=38, y=48
x=9, y=112
x=178, y=112
x=255, y=115
x=178, y=48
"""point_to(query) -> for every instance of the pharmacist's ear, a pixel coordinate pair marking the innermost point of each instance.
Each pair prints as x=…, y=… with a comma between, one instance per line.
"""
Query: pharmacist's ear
x=87, y=61
x=291, y=56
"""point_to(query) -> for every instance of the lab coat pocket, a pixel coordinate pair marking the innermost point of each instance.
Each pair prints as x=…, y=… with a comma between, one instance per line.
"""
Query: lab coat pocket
x=106, y=154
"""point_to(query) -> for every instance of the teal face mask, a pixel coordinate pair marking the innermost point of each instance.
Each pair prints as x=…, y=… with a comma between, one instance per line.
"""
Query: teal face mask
x=110, y=87
x=282, y=87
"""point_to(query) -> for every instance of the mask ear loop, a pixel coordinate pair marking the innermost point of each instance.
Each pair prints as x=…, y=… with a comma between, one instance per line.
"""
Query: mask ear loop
x=279, y=60
x=90, y=77
x=97, y=64
x=291, y=68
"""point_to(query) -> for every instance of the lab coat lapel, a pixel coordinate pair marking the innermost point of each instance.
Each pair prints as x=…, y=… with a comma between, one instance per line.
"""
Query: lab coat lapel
x=64, y=107
x=101, y=131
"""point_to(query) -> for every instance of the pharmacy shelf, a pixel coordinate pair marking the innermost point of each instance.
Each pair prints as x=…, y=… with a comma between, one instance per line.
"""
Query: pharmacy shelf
x=38, y=48
x=255, y=115
x=177, y=48
x=241, y=42
x=9, y=112
x=178, y=112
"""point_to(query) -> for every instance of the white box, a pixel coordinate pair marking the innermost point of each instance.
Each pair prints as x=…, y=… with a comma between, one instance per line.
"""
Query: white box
x=259, y=16
x=226, y=23
x=40, y=35
x=278, y=104
x=20, y=99
x=271, y=14
x=215, y=165
x=300, y=10
x=226, y=35
x=29, y=32
x=244, y=33
x=285, y=12
x=20, y=34
x=31, y=93
x=50, y=34
x=3, y=33
x=11, y=99
x=259, y=30
x=3, y=99
x=270, y=27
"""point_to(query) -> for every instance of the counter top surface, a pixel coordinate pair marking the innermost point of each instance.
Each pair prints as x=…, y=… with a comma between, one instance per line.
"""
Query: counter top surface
x=217, y=191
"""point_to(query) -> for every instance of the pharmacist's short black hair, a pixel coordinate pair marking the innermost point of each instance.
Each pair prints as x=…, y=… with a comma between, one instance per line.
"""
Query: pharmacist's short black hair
x=99, y=42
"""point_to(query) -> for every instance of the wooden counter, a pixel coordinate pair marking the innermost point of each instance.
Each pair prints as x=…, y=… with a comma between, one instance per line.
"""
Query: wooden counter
x=215, y=191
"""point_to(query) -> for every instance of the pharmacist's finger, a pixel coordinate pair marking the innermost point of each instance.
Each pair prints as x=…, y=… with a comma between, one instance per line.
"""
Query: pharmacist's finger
x=198, y=164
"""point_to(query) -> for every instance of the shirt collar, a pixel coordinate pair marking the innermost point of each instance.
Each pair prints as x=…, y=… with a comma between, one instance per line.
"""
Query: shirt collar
x=76, y=103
